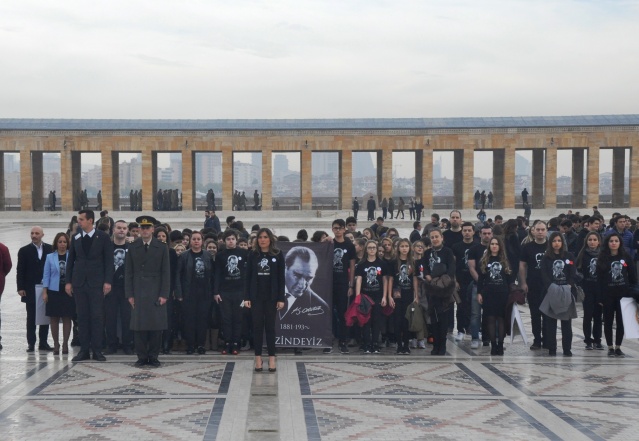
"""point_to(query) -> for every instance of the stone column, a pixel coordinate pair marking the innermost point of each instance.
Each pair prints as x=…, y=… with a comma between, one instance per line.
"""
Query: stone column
x=592, y=177
x=634, y=171
x=618, y=174
x=37, y=181
x=385, y=173
x=267, y=179
x=306, y=178
x=346, y=179
x=509, y=178
x=464, y=193
x=3, y=201
x=426, y=177
x=66, y=181
x=227, y=179
x=115, y=180
x=419, y=171
x=76, y=179
x=107, y=180
x=26, y=195
x=551, y=178
x=499, y=157
x=149, y=179
x=578, y=178
x=537, y=191
x=188, y=186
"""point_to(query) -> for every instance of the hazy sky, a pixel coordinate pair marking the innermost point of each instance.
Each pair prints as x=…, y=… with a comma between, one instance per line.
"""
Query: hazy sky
x=317, y=59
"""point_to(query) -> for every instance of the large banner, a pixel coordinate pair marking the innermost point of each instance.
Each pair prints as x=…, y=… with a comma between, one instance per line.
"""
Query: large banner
x=306, y=319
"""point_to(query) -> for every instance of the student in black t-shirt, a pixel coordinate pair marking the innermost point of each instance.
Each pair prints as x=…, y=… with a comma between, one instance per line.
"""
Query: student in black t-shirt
x=265, y=293
x=402, y=269
x=344, y=258
x=194, y=287
x=230, y=279
x=370, y=279
x=475, y=253
x=587, y=264
x=530, y=279
x=463, y=279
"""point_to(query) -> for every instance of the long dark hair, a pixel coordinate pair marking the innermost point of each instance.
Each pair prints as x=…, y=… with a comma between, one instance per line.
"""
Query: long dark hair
x=272, y=239
x=550, y=252
x=580, y=257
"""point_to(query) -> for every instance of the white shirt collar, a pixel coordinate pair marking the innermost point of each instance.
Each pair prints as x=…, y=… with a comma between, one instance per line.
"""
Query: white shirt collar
x=90, y=233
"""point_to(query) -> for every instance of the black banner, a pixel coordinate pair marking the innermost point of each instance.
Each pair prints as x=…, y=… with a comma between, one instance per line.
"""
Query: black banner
x=306, y=320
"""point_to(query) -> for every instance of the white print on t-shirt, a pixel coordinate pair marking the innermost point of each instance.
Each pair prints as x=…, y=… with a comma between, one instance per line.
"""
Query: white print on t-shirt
x=495, y=271
x=592, y=267
x=199, y=268
x=371, y=279
x=338, y=253
x=232, y=266
x=538, y=258
x=118, y=258
x=558, y=270
x=615, y=271
x=466, y=258
x=434, y=258
x=403, y=275
x=264, y=264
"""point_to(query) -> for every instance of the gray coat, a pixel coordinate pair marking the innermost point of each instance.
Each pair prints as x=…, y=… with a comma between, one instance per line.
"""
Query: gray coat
x=146, y=278
x=559, y=303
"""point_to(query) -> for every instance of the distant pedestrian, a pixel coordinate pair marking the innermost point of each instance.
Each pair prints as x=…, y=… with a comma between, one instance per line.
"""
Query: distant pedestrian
x=524, y=196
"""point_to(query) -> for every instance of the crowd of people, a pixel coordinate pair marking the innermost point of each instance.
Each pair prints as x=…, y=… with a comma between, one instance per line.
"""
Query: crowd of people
x=160, y=285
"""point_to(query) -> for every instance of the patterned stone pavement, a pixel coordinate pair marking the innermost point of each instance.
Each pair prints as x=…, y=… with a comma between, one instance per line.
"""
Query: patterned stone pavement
x=523, y=395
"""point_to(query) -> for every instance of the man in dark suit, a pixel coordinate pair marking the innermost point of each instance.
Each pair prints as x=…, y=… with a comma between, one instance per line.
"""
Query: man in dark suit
x=147, y=286
x=89, y=278
x=301, y=264
x=416, y=234
x=29, y=274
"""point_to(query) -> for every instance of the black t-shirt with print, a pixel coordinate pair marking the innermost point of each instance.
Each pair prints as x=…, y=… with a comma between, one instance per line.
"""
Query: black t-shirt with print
x=461, y=250
x=264, y=273
x=533, y=253
x=402, y=278
x=119, y=258
x=343, y=254
x=372, y=274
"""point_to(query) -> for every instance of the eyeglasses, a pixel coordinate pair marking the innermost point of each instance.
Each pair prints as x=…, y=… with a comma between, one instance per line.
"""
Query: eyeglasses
x=371, y=248
x=337, y=228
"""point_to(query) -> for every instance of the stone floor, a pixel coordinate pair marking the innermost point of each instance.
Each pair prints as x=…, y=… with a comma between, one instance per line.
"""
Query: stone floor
x=523, y=395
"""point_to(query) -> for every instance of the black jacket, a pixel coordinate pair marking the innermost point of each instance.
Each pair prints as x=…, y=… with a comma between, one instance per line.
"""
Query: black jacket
x=31, y=269
x=184, y=274
x=277, y=265
x=93, y=269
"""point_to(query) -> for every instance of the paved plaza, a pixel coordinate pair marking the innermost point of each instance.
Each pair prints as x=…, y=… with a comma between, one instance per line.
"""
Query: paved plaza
x=467, y=394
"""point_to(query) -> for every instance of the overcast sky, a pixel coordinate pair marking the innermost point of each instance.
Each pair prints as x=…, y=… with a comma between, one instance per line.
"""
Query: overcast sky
x=324, y=59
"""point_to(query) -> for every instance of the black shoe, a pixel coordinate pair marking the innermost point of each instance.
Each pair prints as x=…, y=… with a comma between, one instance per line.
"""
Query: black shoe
x=82, y=355
x=31, y=348
x=154, y=362
x=535, y=346
x=493, y=349
x=128, y=351
x=434, y=352
x=342, y=348
x=599, y=347
x=500, y=349
x=567, y=354
x=552, y=352
x=190, y=351
x=141, y=362
x=376, y=350
x=98, y=356
x=486, y=343
x=611, y=352
x=201, y=350
x=327, y=351
x=618, y=353
x=589, y=347
x=45, y=347
x=75, y=341
x=110, y=351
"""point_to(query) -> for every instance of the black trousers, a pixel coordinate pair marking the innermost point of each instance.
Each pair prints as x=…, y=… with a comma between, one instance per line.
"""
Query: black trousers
x=116, y=303
x=355, y=214
x=89, y=304
x=536, y=317
x=263, y=312
x=402, y=335
x=612, y=309
x=463, y=309
x=195, y=310
x=439, y=323
x=550, y=334
x=373, y=324
x=371, y=215
x=167, y=334
x=384, y=212
x=232, y=316
x=43, y=331
x=593, y=311
x=340, y=303
x=147, y=344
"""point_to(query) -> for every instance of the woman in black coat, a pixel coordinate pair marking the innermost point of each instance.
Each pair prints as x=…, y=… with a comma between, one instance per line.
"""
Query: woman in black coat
x=265, y=293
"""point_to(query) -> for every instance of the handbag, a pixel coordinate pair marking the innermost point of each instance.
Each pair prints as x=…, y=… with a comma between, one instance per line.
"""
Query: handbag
x=580, y=295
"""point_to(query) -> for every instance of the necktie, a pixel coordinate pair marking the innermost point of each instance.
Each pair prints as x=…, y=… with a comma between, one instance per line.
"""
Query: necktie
x=146, y=247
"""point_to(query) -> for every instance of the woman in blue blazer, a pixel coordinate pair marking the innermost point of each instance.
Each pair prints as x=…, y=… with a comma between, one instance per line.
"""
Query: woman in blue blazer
x=60, y=305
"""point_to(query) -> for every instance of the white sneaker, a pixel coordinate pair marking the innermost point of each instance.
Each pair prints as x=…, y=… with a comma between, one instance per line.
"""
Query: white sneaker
x=421, y=344
x=460, y=336
x=413, y=343
x=474, y=344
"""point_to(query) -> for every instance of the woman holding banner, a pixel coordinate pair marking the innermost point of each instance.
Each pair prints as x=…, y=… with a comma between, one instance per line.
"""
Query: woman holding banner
x=265, y=293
